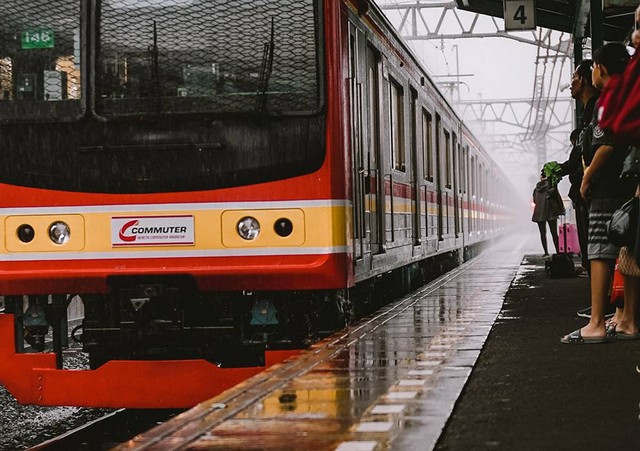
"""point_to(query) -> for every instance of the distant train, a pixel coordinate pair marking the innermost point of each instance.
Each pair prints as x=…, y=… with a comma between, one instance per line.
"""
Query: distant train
x=216, y=181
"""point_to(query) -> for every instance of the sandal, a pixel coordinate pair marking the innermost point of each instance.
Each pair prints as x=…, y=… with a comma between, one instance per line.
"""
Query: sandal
x=576, y=337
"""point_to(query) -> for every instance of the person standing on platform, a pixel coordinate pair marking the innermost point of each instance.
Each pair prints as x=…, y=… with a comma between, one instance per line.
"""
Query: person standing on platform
x=573, y=168
x=624, y=326
x=604, y=192
x=548, y=206
x=583, y=91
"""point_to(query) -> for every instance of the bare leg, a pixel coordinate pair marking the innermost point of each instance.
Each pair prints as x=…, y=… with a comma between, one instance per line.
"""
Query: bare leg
x=542, y=227
x=627, y=323
x=553, y=225
x=617, y=316
x=601, y=276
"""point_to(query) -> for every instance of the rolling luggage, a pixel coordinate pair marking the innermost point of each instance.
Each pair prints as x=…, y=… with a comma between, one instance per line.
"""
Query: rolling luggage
x=568, y=239
x=561, y=264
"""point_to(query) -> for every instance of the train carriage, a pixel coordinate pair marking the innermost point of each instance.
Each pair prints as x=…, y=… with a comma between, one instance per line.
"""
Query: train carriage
x=218, y=183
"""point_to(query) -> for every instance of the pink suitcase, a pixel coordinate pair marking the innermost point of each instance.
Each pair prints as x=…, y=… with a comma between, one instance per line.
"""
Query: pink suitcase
x=568, y=239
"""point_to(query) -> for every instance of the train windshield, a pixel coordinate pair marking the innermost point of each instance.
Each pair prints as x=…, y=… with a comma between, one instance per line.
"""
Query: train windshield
x=217, y=56
x=40, y=67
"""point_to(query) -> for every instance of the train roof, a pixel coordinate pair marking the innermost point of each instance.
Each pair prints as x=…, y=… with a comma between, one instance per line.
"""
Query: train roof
x=380, y=15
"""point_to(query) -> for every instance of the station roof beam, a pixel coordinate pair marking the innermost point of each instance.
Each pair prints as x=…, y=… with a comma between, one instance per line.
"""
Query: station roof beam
x=572, y=16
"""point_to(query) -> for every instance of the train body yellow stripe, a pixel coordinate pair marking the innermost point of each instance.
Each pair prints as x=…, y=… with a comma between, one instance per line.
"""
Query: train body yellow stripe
x=316, y=225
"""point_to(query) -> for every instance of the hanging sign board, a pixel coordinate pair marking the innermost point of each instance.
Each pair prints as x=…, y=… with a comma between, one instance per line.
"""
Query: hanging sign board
x=519, y=15
x=37, y=38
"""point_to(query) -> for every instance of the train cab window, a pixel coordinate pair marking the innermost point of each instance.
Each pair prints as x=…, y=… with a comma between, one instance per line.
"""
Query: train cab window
x=40, y=66
x=448, y=162
x=427, y=145
x=397, y=125
x=187, y=56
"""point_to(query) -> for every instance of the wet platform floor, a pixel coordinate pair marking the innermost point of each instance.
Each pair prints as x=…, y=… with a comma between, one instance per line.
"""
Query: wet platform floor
x=388, y=382
x=529, y=392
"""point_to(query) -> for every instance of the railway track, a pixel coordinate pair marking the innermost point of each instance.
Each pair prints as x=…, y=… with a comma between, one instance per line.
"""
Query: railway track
x=108, y=431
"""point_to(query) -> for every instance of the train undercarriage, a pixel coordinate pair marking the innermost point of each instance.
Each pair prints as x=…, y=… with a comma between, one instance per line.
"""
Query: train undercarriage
x=158, y=342
x=167, y=318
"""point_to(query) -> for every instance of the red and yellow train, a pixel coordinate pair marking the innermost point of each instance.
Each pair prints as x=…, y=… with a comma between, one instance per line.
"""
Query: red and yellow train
x=216, y=182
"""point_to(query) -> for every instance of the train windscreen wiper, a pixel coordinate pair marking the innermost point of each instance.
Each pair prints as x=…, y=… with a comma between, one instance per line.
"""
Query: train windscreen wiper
x=265, y=71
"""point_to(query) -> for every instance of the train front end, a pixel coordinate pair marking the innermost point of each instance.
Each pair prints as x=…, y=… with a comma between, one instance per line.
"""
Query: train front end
x=168, y=165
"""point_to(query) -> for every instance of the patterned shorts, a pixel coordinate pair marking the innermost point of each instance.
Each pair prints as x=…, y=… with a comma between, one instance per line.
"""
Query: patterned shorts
x=600, y=211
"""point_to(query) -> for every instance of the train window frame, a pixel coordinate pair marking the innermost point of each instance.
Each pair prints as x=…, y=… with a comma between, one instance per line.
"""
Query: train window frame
x=473, y=189
x=397, y=126
x=321, y=80
x=374, y=77
x=464, y=168
x=428, y=145
x=481, y=180
x=455, y=161
x=447, y=157
x=55, y=111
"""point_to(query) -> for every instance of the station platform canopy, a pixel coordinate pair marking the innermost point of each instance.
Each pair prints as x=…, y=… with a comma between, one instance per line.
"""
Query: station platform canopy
x=614, y=21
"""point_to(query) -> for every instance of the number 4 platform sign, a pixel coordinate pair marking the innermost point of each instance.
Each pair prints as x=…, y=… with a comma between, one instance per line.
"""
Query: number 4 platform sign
x=519, y=15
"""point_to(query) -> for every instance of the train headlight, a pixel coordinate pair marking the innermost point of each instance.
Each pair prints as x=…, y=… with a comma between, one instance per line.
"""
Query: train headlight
x=283, y=227
x=26, y=233
x=59, y=232
x=249, y=228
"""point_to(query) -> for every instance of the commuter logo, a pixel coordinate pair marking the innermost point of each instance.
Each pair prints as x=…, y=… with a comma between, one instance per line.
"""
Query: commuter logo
x=152, y=230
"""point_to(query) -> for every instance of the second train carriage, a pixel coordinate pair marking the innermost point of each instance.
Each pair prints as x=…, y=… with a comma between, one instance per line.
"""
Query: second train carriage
x=214, y=179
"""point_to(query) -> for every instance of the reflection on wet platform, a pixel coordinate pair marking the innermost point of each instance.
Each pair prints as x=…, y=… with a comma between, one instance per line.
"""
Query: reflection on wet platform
x=389, y=381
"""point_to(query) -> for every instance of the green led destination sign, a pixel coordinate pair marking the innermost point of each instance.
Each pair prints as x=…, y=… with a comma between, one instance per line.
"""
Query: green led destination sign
x=37, y=38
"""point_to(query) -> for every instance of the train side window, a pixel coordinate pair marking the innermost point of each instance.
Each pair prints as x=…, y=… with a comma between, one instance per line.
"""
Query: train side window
x=396, y=116
x=427, y=145
x=472, y=181
x=373, y=80
x=481, y=182
x=447, y=156
x=463, y=169
x=455, y=149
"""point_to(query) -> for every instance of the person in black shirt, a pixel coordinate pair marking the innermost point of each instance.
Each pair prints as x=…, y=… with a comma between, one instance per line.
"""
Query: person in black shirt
x=573, y=168
x=583, y=91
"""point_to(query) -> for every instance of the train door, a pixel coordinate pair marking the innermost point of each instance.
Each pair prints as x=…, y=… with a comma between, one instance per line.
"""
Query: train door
x=439, y=176
x=356, y=131
x=375, y=197
x=428, y=173
x=415, y=181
